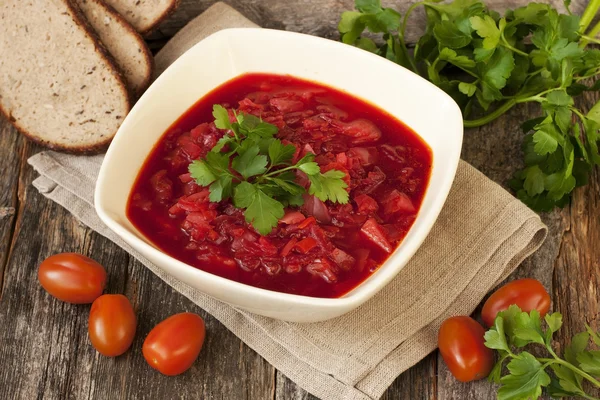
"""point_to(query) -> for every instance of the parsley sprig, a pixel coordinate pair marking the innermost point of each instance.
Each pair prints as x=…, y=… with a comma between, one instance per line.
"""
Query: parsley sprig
x=526, y=375
x=254, y=169
x=489, y=63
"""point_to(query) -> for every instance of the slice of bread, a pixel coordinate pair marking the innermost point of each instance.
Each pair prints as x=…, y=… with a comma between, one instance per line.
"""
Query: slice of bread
x=144, y=15
x=122, y=41
x=58, y=84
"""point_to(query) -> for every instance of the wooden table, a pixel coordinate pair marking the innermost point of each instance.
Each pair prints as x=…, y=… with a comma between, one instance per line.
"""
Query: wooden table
x=44, y=348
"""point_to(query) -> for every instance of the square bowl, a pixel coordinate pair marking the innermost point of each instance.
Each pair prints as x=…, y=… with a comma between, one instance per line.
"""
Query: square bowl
x=427, y=110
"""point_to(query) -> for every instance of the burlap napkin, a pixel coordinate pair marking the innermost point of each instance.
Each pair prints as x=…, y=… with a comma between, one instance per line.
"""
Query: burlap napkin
x=482, y=234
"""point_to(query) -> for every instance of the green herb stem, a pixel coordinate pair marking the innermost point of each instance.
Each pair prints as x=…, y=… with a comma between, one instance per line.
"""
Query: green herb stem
x=512, y=48
x=570, y=366
x=406, y=15
x=586, y=39
x=594, y=31
x=588, y=15
x=404, y=49
x=474, y=123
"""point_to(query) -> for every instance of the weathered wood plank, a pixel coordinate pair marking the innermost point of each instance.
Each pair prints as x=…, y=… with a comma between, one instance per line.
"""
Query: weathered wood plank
x=11, y=146
x=577, y=268
x=418, y=383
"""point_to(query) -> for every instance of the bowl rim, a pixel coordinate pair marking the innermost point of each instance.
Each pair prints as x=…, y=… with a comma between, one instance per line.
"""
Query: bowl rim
x=372, y=284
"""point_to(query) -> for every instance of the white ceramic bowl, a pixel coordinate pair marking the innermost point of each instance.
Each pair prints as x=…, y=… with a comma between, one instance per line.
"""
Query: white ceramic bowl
x=431, y=113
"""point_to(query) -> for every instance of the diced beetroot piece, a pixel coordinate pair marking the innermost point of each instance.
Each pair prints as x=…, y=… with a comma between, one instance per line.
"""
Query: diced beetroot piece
x=333, y=111
x=185, y=178
x=319, y=234
x=323, y=269
x=247, y=105
x=176, y=210
x=286, y=105
x=306, y=245
x=366, y=204
x=366, y=156
x=344, y=260
x=315, y=123
x=372, y=231
x=307, y=222
x=362, y=131
x=199, y=131
x=397, y=202
x=315, y=207
x=292, y=217
x=371, y=182
x=162, y=185
x=285, y=250
x=191, y=188
x=192, y=150
x=342, y=159
x=266, y=247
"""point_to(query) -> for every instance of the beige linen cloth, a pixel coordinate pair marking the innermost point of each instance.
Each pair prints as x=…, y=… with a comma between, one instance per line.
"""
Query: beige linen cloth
x=482, y=234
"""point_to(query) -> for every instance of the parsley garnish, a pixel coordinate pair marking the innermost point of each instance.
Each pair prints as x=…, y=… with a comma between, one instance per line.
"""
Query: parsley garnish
x=256, y=171
x=489, y=63
x=527, y=375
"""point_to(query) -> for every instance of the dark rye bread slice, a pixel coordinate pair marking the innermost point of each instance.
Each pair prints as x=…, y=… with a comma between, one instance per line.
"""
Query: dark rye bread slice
x=58, y=84
x=122, y=41
x=144, y=15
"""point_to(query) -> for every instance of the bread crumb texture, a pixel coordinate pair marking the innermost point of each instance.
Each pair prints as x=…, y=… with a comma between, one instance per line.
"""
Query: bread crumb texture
x=62, y=90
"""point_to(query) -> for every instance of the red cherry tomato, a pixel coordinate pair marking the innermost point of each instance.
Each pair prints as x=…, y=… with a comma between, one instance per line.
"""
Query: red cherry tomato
x=112, y=324
x=72, y=277
x=528, y=294
x=174, y=344
x=461, y=344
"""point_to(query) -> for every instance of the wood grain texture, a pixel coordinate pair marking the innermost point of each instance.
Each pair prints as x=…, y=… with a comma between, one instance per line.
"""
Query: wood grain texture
x=10, y=163
x=43, y=342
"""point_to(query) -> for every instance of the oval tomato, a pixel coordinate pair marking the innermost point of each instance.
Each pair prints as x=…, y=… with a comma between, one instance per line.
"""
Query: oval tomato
x=174, y=344
x=528, y=294
x=460, y=340
x=72, y=277
x=112, y=324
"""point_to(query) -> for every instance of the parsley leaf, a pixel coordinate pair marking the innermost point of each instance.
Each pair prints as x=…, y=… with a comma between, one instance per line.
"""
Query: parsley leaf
x=262, y=211
x=329, y=186
x=280, y=153
x=201, y=172
x=221, y=117
x=486, y=28
x=249, y=163
x=526, y=379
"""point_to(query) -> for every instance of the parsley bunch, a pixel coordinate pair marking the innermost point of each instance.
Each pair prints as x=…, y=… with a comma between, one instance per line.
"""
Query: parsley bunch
x=255, y=169
x=527, y=374
x=489, y=63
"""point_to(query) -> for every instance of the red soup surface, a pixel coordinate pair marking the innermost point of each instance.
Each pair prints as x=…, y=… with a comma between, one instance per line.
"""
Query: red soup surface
x=320, y=249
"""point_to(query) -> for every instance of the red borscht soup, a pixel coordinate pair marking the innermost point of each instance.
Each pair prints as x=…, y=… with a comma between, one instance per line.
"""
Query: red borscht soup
x=320, y=249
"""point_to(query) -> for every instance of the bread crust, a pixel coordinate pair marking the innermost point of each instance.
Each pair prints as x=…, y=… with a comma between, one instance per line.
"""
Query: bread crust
x=81, y=23
x=146, y=53
x=161, y=18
